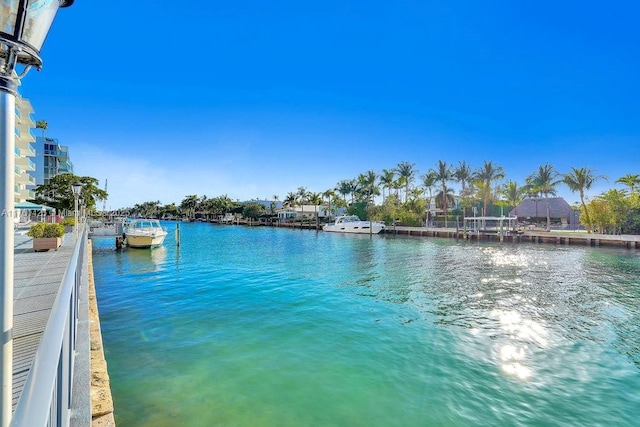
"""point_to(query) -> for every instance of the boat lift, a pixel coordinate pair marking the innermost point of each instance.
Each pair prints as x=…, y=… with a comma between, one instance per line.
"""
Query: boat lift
x=500, y=225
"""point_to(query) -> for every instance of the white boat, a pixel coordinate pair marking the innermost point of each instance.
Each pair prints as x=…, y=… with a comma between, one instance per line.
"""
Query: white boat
x=144, y=233
x=353, y=224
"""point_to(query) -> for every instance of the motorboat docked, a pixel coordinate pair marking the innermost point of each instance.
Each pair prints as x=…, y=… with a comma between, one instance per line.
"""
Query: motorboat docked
x=353, y=224
x=144, y=233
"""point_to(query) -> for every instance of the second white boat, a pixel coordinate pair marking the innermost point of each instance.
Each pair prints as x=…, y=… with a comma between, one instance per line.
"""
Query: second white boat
x=353, y=224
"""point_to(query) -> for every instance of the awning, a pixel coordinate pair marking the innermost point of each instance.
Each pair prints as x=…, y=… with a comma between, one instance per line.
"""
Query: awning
x=33, y=206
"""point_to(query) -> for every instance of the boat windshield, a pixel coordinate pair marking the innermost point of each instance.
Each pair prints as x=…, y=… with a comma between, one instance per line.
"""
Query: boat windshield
x=144, y=224
x=350, y=218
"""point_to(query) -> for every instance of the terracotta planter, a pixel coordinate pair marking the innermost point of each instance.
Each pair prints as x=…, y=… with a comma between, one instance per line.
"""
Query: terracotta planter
x=41, y=244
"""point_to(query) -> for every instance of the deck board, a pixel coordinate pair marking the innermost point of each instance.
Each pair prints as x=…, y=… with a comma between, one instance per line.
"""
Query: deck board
x=37, y=279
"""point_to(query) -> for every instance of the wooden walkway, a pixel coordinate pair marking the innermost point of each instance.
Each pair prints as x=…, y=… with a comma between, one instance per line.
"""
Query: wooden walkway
x=37, y=278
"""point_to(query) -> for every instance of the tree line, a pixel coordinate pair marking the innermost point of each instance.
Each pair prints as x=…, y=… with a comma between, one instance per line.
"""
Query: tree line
x=442, y=193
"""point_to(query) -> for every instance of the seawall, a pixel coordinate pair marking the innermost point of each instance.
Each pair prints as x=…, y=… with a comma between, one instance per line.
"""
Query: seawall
x=554, y=237
x=101, y=399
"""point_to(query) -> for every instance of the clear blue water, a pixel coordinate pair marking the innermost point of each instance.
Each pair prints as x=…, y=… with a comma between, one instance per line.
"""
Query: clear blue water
x=275, y=327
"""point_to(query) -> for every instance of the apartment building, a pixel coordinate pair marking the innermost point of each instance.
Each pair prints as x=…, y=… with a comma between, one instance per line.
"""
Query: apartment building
x=51, y=159
x=37, y=158
x=24, y=151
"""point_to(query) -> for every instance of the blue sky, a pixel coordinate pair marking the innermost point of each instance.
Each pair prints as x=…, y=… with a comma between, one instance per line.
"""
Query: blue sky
x=254, y=98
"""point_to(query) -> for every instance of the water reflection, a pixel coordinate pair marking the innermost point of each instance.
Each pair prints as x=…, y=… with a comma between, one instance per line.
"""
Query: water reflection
x=138, y=261
x=516, y=301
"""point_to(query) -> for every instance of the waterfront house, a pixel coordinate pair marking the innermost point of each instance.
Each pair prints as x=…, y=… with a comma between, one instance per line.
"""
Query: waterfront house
x=304, y=212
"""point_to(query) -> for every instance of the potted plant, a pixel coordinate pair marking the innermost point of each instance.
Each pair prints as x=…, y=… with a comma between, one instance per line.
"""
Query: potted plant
x=46, y=236
x=69, y=223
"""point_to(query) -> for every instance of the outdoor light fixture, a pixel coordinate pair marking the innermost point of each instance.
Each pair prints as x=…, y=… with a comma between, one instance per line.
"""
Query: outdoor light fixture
x=76, y=187
x=24, y=25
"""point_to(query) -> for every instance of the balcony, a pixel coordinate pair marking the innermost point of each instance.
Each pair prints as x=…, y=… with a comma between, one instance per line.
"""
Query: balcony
x=28, y=151
x=27, y=194
x=25, y=163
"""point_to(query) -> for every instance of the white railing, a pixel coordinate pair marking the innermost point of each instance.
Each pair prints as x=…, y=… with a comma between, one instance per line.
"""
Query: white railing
x=47, y=392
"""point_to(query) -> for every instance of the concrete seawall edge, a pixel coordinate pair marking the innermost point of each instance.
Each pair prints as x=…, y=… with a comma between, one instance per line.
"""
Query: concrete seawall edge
x=101, y=399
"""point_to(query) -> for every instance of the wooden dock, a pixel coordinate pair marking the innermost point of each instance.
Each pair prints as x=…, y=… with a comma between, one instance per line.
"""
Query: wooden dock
x=37, y=278
x=535, y=236
x=555, y=237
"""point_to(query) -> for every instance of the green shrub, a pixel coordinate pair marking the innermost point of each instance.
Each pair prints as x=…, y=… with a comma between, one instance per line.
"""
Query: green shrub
x=411, y=219
x=54, y=230
x=69, y=222
x=37, y=230
x=42, y=229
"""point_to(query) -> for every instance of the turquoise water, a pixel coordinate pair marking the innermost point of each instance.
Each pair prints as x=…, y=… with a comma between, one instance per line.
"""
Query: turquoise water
x=274, y=327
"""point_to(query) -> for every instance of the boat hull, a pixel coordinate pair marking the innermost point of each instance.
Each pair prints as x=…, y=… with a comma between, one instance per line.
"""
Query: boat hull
x=145, y=241
x=351, y=228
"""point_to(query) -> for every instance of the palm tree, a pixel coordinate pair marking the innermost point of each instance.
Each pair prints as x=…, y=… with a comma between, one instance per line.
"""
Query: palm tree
x=367, y=184
x=463, y=174
x=189, y=204
x=443, y=174
x=330, y=195
x=368, y=188
x=356, y=188
x=386, y=181
x=632, y=181
x=344, y=187
x=290, y=199
x=580, y=180
x=513, y=194
x=486, y=175
x=203, y=203
x=407, y=173
x=41, y=124
x=274, y=204
x=315, y=199
x=302, y=195
x=428, y=182
x=444, y=198
x=544, y=182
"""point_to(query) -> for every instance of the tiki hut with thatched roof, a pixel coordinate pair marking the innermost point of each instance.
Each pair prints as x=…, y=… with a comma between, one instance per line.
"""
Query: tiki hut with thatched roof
x=534, y=211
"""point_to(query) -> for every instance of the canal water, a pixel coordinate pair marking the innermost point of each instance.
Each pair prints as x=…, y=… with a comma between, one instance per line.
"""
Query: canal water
x=276, y=327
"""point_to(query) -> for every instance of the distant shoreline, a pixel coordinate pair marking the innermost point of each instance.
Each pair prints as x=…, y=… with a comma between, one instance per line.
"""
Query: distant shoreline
x=560, y=237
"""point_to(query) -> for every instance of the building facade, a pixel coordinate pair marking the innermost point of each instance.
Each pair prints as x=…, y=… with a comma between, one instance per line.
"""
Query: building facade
x=37, y=158
x=24, y=151
x=51, y=159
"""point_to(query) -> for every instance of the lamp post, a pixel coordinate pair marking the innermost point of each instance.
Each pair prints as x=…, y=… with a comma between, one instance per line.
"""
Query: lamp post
x=76, y=187
x=81, y=209
x=24, y=25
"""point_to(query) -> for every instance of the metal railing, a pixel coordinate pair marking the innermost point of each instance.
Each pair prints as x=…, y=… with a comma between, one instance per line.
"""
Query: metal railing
x=46, y=396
